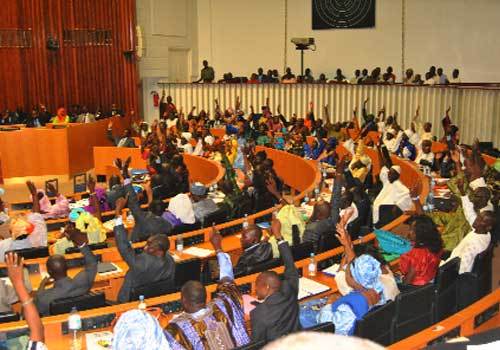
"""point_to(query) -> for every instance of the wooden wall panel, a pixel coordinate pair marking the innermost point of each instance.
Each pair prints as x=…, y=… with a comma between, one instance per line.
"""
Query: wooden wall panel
x=92, y=75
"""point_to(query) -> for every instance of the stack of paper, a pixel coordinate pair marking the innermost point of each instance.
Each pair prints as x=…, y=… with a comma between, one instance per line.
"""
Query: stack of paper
x=308, y=288
x=198, y=252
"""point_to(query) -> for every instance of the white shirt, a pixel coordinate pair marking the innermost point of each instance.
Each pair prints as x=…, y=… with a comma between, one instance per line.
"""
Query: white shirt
x=354, y=215
x=349, y=145
x=393, y=144
x=468, y=248
x=430, y=81
x=388, y=281
x=469, y=211
x=455, y=80
x=394, y=193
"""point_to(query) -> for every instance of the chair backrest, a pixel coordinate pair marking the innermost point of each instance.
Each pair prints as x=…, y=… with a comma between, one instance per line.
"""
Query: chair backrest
x=446, y=282
x=377, y=325
x=153, y=289
x=33, y=253
x=187, y=271
x=82, y=302
x=264, y=266
x=482, y=269
x=252, y=346
x=185, y=228
x=414, y=311
x=327, y=327
x=9, y=317
x=94, y=246
x=302, y=250
x=216, y=217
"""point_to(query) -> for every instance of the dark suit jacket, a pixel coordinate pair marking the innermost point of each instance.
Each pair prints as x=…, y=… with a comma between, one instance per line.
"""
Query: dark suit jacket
x=146, y=223
x=143, y=268
x=69, y=287
x=130, y=143
x=279, y=313
x=314, y=230
x=256, y=254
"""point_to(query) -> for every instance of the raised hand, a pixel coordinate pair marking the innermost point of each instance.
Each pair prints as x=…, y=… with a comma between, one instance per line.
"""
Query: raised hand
x=15, y=265
x=76, y=236
x=366, y=101
x=342, y=235
x=276, y=228
x=31, y=187
x=448, y=111
x=120, y=204
x=216, y=239
x=91, y=184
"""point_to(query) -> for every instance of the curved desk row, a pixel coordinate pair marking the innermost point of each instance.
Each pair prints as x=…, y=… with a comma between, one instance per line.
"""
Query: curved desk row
x=305, y=177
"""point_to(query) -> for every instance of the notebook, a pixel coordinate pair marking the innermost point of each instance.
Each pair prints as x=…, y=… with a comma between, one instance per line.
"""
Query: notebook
x=105, y=267
x=308, y=288
x=198, y=252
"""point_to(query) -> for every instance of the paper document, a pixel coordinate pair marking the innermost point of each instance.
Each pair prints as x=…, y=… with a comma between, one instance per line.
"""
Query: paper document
x=99, y=340
x=198, y=252
x=308, y=287
x=332, y=270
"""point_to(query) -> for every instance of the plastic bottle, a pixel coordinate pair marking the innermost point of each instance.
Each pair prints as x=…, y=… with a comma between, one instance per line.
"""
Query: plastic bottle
x=430, y=196
x=245, y=222
x=75, y=329
x=179, y=243
x=313, y=266
x=316, y=193
x=142, y=304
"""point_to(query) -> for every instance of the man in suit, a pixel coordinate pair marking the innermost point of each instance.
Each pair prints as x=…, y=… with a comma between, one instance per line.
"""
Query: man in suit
x=326, y=215
x=152, y=265
x=124, y=141
x=278, y=313
x=57, y=268
x=147, y=222
x=255, y=250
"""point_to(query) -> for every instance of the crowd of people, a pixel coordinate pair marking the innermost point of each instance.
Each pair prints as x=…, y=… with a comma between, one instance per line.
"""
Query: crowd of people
x=463, y=227
x=360, y=76
x=40, y=116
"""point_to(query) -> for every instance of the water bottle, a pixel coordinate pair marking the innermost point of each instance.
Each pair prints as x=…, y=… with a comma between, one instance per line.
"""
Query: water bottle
x=306, y=200
x=75, y=329
x=316, y=193
x=179, y=243
x=313, y=266
x=430, y=196
x=142, y=303
x=245, y=222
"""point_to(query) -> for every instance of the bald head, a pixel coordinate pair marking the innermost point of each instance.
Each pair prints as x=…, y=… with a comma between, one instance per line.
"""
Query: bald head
x=267, y=283
x=250, y=236
x=193, y=296
x=484, y=222
x=57, y=267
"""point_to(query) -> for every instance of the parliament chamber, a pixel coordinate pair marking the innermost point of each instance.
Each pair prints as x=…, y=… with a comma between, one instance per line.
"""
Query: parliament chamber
x=146, y=206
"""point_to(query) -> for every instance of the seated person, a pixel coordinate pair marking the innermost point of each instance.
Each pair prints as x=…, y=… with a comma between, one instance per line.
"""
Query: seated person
x=475, y=242
x=61, y=117
x=420, y=265
x=202, y=205
x=136, y=329
x=180, y=211
x=60, y=209
x=393, y=192
x=315, y=150
x=362, y=274
x=152, y=265
x=278, y=312
x=85, y=222
x=255, y=250
x=28, y=231
x=147, y=222
x=425, y=157
x=218, y=324
x=57, y=268
x=360, y=164
x=120, y=141
x=406, y=149
x=292, y=227
x=8, y=295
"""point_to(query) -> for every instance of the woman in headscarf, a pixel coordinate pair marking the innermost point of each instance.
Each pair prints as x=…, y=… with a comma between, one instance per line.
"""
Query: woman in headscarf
x=314, y=151
x=137, y=330
x=360, y=164
x=363, y=276
x=180, y=211
x=61, y=117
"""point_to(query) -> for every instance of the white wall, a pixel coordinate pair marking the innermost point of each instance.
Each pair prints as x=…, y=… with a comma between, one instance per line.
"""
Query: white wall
x=166, y=25
x=241, y=35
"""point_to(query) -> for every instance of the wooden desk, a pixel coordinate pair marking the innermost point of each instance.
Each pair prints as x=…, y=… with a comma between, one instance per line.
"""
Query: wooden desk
x=46, y=151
